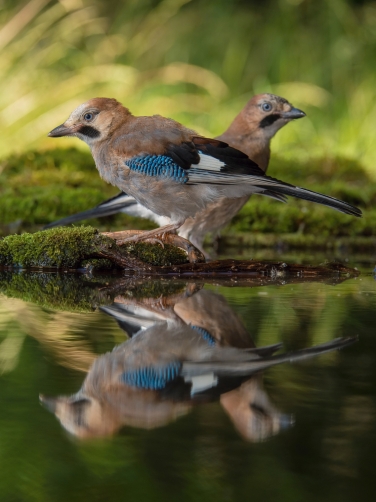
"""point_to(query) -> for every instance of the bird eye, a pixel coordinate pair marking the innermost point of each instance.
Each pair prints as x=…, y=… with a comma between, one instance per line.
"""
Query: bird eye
x=266, y=107
x=88, y=117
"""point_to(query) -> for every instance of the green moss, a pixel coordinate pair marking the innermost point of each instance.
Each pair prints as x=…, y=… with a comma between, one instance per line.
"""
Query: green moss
x=261, y=216
x=155, y=254
x=53, y=291
x=94, y=264
x=76, y=247
x=40, y=187
x=79, y=293
x=295, y=241
x=56, y=248
x=60, y=160
x=318, y=170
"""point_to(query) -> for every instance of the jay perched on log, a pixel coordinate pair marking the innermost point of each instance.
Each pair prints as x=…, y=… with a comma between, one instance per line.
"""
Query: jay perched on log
x=170, y=169
x=251, y=133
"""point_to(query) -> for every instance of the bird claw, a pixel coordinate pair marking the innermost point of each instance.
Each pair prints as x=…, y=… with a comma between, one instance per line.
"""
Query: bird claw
x=154, y=240
x=140, y=238
x=194, y=255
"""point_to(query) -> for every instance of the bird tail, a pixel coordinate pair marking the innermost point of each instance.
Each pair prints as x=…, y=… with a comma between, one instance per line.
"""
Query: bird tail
x=131, y=319
x=107, y=208
x=239, y=184
x=302, y=193
x=266, y=351
x=274, y=195
x=244, y=368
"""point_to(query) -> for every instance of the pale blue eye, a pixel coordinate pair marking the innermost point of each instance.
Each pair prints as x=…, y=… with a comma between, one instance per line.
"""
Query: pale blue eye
x=266, y=107
x=88, y=116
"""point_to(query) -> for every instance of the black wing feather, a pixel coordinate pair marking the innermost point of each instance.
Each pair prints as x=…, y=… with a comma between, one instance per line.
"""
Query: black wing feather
x=236, y=162
x=185, y=154
x=108, y=207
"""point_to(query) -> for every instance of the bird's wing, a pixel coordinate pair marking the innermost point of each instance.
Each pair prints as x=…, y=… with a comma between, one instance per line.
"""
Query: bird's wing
x=218, y=157
x=243, y=368
x=271, y=187
x=152, y=377
x=227, y=166
x=208, y=161
x=130, y=319
x=157, y=377
x=204, y=154
x=106, y=208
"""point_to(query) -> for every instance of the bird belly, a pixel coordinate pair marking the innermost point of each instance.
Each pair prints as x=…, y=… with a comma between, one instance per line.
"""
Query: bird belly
x=167, y=198
x=211, y=219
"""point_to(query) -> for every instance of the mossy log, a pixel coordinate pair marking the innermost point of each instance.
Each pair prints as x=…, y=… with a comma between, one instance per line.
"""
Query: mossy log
x=71, y=248
x=80, y=247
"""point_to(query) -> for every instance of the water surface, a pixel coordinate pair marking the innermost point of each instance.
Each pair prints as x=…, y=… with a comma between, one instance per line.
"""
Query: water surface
x=327, y=452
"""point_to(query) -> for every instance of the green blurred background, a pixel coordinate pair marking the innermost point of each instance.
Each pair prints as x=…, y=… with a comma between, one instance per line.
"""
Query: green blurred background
x=199, y=62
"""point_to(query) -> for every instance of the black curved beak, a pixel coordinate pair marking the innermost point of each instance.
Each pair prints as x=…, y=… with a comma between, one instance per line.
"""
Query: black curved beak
x=60, y=131
x=294, y=113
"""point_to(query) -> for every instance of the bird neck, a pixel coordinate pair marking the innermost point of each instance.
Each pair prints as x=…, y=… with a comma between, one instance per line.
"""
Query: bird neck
x=253, y=141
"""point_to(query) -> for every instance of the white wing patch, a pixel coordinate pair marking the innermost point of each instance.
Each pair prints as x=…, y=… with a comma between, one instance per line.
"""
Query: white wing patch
x=210, y=163
x=201, y=382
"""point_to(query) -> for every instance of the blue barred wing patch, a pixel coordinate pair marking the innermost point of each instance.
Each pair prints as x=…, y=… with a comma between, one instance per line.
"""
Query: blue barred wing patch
x=209, y=339
x=152, y=378
x=158, y=165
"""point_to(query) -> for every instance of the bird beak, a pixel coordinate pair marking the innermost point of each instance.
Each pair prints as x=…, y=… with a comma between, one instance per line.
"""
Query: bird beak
x=48, y=402
x=61, y=130
x=294, y=113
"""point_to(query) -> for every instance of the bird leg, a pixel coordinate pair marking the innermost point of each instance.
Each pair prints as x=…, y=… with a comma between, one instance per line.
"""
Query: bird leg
x=125, y=236
x=194, y=254
x=146, y=235
x=122, y=234
x=161, y=235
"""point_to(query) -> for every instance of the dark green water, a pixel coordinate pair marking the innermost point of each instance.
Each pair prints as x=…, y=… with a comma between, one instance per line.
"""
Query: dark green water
x=328, y=454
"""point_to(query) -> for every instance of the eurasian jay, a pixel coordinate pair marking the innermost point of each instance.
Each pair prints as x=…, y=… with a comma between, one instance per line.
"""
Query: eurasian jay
x=247, y=405
x=158, y=375
x=250, y=132
x=170, y=169
x=172, y=362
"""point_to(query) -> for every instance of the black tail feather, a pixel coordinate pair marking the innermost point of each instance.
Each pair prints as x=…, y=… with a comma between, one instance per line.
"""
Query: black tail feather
x=302, y=193
x=109, y=207
x=244, y=368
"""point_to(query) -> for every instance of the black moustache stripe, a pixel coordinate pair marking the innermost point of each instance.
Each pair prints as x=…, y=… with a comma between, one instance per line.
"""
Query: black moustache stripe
x=269, y=120
x=89, y=131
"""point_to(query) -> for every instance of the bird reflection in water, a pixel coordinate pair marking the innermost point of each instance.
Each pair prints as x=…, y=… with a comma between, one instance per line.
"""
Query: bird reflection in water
x=183, y=350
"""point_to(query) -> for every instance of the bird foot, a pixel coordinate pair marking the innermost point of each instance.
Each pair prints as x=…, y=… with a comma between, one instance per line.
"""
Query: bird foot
x=125, y=236
x=194, y=255
x=138, y=236
x=122, y=235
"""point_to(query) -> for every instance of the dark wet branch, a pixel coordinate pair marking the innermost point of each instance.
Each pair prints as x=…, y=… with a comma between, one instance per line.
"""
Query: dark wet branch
x=232, y=268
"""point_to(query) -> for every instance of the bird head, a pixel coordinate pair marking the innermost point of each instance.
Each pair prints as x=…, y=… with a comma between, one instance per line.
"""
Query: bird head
x=93, y=121
x=253, y=128
x=252, y=412
x=269, y=113
x=81, y=415
x=86, y=416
